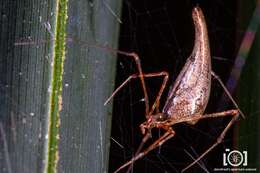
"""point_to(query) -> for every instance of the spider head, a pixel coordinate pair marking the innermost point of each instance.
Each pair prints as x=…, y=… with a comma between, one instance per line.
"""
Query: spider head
x=153, y=121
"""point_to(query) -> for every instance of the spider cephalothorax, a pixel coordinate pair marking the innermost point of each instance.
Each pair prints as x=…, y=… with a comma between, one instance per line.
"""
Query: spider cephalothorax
x=156, y=120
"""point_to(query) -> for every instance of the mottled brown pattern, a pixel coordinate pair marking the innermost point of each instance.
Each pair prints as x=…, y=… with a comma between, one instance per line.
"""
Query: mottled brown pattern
x=190, y=92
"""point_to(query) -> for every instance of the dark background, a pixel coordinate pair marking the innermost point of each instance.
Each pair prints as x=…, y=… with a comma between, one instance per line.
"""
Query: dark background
x=162, y=33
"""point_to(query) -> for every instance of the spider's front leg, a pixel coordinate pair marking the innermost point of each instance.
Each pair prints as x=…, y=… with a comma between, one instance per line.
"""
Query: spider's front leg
x=141, y=76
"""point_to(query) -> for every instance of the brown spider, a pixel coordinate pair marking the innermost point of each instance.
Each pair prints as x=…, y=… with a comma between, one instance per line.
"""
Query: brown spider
x=187, y=98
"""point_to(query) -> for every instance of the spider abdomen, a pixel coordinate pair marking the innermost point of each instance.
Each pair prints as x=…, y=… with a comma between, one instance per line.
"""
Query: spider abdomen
x=190, y=92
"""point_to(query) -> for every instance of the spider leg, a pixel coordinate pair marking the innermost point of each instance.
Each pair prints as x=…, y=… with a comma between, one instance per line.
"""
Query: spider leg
x=120, y=87
x=141, y=75
x=167, y=135
x=134, y=76
x=235, y=115
x=156, y=103
x=227, y=92
x=145, y=138
x=231, y=112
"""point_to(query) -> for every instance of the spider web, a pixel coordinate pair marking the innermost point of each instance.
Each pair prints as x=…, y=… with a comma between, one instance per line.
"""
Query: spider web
x=162, y=34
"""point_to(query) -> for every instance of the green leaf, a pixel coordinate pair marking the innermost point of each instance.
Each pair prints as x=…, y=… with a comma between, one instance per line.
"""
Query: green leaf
x=55, y=102
x=52, y=113
x=89, y=73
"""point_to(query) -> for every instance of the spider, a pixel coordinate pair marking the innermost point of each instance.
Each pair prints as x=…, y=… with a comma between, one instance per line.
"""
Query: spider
x=187, y=98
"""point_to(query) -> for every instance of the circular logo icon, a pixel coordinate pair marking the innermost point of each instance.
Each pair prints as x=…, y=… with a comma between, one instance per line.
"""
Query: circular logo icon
x=235, y=158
